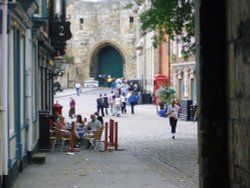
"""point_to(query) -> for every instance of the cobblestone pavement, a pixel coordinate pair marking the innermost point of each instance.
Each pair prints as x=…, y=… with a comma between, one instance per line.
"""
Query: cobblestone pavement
x=147, y=136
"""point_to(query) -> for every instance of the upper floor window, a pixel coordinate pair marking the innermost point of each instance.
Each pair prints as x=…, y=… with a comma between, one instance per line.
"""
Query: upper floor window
x=81, y=21
x=131, y=19
x=131, y=22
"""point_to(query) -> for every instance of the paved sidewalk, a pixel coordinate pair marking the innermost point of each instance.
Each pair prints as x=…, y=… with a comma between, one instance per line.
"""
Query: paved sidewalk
x=147, y=160
x=117, y=169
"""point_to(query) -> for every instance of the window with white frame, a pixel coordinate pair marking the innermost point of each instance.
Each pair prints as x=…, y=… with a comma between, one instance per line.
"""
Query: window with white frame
x=186, y=80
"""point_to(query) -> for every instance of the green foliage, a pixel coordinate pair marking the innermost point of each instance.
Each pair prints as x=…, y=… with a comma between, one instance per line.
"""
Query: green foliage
x=69, y=59
x=173, y=57
x=174, y=18
x=139, y=2
x=165, y=94
x=129, y=6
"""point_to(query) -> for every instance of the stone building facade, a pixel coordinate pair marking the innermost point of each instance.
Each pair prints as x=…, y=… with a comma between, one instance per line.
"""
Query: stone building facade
x=183, y=74
x=164, y=60
x=103, y=33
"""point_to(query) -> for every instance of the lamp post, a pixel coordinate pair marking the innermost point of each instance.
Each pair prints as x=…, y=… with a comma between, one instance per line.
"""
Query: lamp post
x=59, y=65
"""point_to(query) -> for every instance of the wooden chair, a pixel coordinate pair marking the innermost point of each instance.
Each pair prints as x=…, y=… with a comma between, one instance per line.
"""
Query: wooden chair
x=61, y=138
x=52, y=139
x=96, y=138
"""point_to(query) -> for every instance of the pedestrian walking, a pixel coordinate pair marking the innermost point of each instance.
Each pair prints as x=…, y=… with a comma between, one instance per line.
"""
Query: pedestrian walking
x=173, y=114
x=132, y=101
x=100, y=105
x=72, y=108
x=106, y=103
x=78, y=88
x=124, y=103
x=117, y=106
x=111, y=99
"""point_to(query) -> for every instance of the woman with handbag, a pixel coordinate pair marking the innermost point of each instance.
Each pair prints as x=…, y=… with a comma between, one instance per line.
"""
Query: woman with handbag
x=173, y=114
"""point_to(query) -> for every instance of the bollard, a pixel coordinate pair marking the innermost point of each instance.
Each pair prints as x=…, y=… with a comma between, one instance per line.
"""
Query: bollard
x=72, y=149
x=116, y=135
x=106, y=137
x=111, y=136
x=111, y=132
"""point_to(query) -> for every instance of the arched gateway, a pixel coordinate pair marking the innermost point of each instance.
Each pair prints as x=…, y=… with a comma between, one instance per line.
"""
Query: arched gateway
x=107, y=59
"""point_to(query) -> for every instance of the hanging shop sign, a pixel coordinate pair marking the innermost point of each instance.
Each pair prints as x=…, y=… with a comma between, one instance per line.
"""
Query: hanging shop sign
x=60, y=31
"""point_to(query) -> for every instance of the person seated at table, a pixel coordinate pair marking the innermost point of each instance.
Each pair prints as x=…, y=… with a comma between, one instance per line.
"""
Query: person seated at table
x=98, y=117
x=66, y=131
x=92, y=126
x=94, y=123
x=80, y=126
x=60, y=124
x=54, y=118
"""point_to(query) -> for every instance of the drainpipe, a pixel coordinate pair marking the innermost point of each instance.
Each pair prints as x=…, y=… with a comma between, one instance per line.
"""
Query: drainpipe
x=160, y=52
x=3, y=85
x=28, y=71
x=169, y=62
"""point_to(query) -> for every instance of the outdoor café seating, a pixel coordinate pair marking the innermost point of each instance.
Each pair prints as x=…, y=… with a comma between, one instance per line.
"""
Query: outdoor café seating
x=95, y=138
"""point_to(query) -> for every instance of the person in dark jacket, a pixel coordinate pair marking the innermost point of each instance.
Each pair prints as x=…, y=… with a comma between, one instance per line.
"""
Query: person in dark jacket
x=99, y=118
x=100, y=104
x=105, y=103
x=132, y=101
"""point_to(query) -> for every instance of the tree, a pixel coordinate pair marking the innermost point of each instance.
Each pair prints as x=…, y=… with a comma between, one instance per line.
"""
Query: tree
x=165, y=94
x=173, y=18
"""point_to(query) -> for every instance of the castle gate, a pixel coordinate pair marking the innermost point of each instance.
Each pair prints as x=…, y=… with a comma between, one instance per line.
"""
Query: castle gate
x=107, y=60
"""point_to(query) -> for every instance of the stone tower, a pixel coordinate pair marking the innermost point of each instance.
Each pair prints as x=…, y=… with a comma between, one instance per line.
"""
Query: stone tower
x=103, y=40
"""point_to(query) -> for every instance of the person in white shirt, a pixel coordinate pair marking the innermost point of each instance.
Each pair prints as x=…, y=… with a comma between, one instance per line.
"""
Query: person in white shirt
x=173, y=114
x=78, y=88
x=93, y=124
x=124, y=103
x=117, y=106
x=111, y=99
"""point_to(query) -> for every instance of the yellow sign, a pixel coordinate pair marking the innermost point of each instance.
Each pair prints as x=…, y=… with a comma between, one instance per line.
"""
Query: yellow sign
x=51, y=62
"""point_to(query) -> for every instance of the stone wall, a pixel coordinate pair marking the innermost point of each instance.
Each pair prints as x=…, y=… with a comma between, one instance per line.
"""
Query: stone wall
x=96, y=25
x=223, y=30
x=238, y=50
x=212, y=93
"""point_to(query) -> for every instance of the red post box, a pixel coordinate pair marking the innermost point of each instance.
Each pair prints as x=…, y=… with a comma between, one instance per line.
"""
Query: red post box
x=57, y=108
x=159, y=80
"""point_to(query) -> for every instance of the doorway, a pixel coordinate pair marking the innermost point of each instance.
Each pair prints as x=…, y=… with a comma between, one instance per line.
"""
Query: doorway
x=109, y=62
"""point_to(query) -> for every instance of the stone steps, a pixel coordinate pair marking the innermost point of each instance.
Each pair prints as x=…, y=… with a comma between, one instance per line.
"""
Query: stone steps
x=39, y=158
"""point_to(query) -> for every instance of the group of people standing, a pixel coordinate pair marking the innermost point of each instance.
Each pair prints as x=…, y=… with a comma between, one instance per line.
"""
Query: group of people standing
x=116, y=103
x=122, y=93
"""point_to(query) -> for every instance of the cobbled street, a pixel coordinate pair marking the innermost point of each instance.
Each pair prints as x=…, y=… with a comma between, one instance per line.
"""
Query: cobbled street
x=147, y=136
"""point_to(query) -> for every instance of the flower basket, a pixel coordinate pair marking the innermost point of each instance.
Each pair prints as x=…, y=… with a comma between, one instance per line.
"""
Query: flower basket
x=164, y=95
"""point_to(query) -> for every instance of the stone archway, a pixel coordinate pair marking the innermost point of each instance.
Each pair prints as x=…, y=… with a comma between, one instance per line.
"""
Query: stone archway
x=107, y=58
